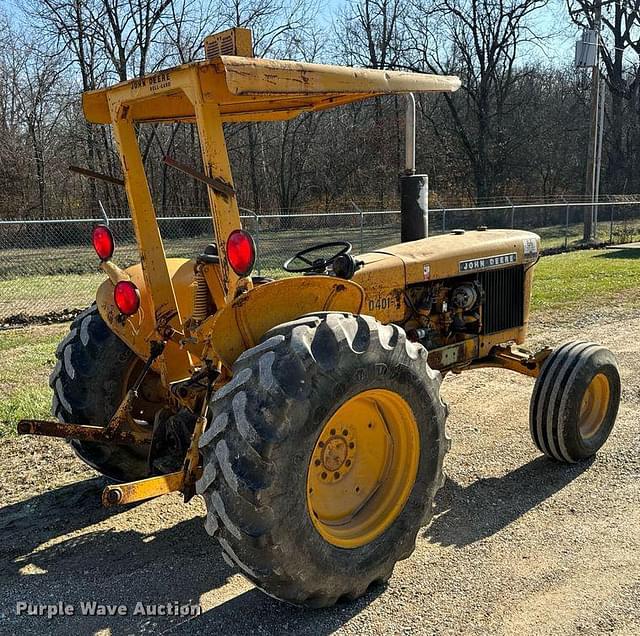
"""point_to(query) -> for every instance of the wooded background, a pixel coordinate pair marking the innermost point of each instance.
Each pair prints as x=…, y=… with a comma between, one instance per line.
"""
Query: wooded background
x=518, y=127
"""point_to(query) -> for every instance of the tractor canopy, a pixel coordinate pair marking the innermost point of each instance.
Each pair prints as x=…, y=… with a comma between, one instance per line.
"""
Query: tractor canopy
x=223, y=88
x=253, y=89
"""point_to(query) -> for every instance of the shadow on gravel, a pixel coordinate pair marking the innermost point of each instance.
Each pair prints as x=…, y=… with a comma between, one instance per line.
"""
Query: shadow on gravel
x=176, y=565
x=253, y=612
x=469, y=514
x=29, y=523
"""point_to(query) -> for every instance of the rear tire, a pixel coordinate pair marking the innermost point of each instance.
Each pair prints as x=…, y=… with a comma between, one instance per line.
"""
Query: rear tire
x=575, y=401
x=262, y=441
x=89, y=381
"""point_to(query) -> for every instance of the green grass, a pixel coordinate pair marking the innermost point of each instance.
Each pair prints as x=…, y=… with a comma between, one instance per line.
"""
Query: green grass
x=569, y=279
x=26, y=359
x=561, y=281
x=39, y=295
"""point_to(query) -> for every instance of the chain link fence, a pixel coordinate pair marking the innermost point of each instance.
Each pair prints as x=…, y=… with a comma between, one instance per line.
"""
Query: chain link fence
x=48, y=269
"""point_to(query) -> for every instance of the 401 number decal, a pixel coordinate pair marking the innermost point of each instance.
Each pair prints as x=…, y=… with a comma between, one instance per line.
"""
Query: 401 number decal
x=381, y=303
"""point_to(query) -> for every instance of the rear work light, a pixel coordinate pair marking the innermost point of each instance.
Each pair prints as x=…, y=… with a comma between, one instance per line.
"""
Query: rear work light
x=102, y=240
x=127, y=297
x=241, y=252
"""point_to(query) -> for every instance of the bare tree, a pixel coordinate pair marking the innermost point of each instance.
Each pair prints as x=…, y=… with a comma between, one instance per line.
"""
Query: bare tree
x=371, y=33
x=479, y=40
x=619, y=51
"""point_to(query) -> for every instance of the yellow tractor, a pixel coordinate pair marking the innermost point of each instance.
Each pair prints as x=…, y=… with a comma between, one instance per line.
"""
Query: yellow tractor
x=306, y=411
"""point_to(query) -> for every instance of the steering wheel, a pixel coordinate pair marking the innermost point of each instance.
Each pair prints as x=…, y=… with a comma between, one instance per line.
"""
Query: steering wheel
x=320, y=264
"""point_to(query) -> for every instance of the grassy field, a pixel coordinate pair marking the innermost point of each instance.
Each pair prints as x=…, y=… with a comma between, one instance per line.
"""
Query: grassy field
x=34, y=282
x=26, y=359
x=561, y=281
x=576, y=277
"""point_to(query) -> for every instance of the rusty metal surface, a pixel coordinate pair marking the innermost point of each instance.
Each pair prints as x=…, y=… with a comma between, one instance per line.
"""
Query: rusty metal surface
x=92, y=174
x=82, y=432
x=459, y=353
x=514, y=358
x=253, y=89
x=218, y=185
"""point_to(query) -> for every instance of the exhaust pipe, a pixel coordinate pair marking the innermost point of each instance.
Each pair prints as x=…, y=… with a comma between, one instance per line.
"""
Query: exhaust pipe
x=414, y=188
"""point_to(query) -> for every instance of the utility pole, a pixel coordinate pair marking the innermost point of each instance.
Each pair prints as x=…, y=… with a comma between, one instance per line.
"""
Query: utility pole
x=601, y=99
x=591, y=177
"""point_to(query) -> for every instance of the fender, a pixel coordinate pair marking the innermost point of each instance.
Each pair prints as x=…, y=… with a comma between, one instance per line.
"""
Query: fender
x=240, y=325
x=235, y=327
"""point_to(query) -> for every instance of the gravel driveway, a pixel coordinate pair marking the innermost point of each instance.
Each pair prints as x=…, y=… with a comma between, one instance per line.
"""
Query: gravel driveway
x=520, y=545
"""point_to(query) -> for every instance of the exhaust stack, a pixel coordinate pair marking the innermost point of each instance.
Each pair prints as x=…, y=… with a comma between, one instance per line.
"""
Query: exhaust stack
x=414, y=188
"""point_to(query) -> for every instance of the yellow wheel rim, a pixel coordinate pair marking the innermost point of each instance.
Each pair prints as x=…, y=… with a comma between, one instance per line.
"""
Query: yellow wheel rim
x=363, y=468
x=593, y=408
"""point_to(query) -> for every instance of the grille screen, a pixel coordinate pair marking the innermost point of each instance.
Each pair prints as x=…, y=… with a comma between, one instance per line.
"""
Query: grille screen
x=504, y=299
x=222, y=45
x=230, y=42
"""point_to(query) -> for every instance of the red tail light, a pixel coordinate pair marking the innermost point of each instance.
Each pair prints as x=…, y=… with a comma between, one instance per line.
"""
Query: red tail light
x=102, y=240
x=241, y=252
x=127, y=297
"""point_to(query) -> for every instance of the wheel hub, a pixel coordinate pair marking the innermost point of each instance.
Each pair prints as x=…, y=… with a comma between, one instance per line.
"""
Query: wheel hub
x=593, y=408
x=334, y=455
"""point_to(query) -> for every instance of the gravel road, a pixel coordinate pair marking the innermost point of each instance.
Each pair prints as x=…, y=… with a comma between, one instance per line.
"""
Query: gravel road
x=520, y=545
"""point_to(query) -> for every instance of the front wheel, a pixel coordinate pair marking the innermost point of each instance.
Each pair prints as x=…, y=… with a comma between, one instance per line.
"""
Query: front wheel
x=323, y=457
x=575, y=401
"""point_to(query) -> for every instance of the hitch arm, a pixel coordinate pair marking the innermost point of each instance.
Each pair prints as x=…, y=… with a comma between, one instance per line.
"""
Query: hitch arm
x=82, y=432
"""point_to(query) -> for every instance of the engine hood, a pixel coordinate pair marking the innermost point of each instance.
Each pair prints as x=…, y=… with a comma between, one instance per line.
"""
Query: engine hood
x=454, y=254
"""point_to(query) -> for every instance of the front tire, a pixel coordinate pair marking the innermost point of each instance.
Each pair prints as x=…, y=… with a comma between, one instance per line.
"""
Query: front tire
x=330, y=403
x=575, y=401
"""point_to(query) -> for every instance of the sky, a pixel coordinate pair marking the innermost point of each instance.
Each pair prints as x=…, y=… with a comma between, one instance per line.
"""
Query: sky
x=553, y=19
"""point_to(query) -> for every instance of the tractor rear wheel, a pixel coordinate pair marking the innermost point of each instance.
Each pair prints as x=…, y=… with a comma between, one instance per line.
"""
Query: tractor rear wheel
x=575, y=401
x=323, y=457
x=93, y=372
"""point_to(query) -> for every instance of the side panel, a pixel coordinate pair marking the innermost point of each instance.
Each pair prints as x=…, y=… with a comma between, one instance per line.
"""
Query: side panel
x=383, y=280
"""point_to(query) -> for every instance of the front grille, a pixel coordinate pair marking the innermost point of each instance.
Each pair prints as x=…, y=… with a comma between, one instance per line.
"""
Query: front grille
x=504, y=299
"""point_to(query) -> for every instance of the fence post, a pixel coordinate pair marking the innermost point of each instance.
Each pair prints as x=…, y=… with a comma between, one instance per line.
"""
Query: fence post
x=611, y=225
x=512, y=211
x=444, y=220
x=361, y=214
x=258, y=254
x=566, y=224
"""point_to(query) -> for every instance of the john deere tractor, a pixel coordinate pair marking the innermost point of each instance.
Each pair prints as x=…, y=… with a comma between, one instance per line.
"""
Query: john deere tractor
x=306, y=411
